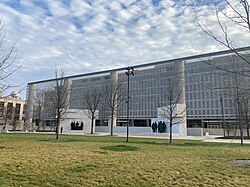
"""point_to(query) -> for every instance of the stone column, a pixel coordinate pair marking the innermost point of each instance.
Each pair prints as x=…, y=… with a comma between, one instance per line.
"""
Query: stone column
x=180, y=66
x=132, y=122
x=67, y=85
x=202, y=123
x=182, y=102
x=30, y=106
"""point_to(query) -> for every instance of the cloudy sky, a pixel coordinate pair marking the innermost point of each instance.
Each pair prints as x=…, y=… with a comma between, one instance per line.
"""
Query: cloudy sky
x=91, y=35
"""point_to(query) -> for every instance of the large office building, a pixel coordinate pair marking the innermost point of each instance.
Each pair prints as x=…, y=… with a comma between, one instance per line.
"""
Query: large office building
x=210, y=89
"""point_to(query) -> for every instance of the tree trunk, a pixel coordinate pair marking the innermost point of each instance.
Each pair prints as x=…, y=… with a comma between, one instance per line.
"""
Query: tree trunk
x=14, y=126
x=111, y=126
x=228, y=133
x=170, y=132
x=39, y=124
x=5, y=122
x=38, y=128
x=92, y=124
x=248, y=131
x=57, y=128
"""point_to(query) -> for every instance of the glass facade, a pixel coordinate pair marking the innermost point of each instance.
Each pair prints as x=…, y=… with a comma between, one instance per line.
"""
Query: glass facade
x=206, y=86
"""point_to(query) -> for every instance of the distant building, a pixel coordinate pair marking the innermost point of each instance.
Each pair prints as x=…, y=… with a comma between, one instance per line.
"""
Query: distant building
x=205, y=90
x=11, y=112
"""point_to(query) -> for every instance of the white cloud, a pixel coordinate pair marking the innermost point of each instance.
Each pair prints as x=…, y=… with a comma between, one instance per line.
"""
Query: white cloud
x=78, y=8
x=46, y=53
x=104, y=35
x=57, y=8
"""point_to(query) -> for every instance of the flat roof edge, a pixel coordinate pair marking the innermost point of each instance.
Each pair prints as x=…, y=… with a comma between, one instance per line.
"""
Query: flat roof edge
x=151, y=64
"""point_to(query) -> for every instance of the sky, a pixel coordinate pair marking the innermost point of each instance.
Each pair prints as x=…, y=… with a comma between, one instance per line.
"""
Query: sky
x=87, y=36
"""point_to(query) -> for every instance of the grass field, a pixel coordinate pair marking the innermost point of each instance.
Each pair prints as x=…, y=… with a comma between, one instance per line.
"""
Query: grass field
x=234, y=137
x=38, y=160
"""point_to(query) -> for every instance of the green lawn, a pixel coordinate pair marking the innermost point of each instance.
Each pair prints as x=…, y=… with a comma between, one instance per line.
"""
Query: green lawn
x=234, y=137
x=38, y=160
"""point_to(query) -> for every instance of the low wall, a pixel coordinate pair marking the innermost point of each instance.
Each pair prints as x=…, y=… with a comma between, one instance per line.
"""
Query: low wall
x=194, y=131
x=148, y=130
x=219, y=132
x=102, y=129
x=133, y=130
x=19, y=127
x=137, y=130
x=79, y=116
x=213, y=131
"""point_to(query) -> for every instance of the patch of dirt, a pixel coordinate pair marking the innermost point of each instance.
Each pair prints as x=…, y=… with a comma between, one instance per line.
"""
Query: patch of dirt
x=245, y=163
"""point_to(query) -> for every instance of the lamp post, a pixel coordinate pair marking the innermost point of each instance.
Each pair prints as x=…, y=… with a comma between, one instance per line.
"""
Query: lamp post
x=130, y=71
x=223, y=116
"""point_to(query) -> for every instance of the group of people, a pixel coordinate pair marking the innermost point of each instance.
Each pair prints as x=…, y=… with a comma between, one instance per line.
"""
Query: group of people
x=76, y=125
x=159, y=127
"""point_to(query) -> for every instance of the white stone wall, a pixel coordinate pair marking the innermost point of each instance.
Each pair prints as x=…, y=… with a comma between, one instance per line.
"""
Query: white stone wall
x=180, y=119
x=74, y=115
x=194, y=131
x=123, y=130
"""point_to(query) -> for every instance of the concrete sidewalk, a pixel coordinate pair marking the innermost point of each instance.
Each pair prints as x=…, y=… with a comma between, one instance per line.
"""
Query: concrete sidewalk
x=227, y=141
x=209, y=138
x=166, y=136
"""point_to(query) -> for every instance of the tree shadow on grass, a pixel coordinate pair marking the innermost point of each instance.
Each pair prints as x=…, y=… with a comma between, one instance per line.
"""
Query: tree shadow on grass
x=120, y=148
x=145, y=142
x=99, y=139
x=61, y=140
x=84, y=168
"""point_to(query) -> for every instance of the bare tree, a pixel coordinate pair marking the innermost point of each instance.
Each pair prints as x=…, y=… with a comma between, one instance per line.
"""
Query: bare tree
x=4, y=115
x=229, y=15
x=57, y=98
x=113, y=96
x=39, y=104
x=92, y=99
x=172, y=98
x=7, y=112
x=235, y=88
x=240, y=93
x=8, y=57
x=229, y=127
x=15, y=118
